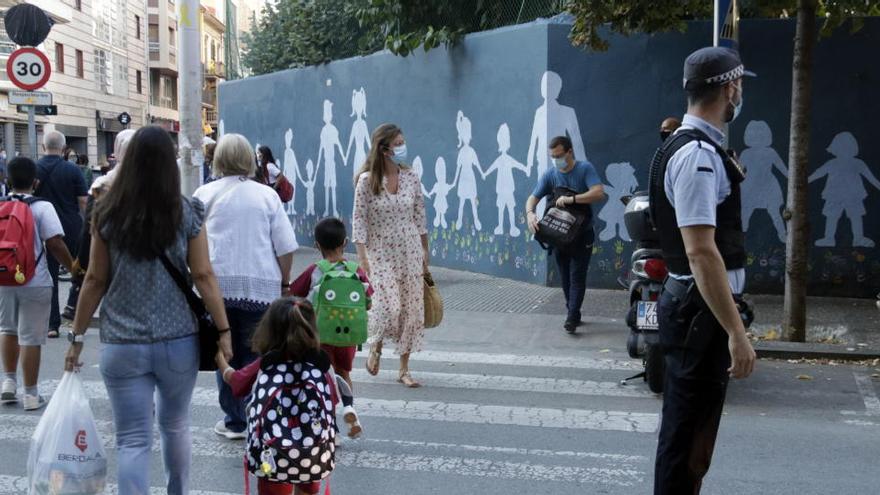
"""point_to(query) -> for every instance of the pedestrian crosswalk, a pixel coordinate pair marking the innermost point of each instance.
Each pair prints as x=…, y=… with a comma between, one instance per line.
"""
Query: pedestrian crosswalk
x=482, y=417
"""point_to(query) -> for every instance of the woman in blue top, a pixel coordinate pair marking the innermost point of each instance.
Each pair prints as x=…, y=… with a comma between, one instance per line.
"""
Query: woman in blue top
x=149, y=334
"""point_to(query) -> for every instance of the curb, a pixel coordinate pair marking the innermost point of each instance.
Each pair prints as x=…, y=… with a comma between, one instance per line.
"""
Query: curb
x=798, y=350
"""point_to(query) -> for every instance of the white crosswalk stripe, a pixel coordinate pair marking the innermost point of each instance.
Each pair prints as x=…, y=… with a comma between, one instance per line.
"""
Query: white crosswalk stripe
x=404, y=453
x=19, y=484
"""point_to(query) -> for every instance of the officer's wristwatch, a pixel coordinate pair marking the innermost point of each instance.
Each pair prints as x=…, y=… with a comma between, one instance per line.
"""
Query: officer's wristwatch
x=75, y=338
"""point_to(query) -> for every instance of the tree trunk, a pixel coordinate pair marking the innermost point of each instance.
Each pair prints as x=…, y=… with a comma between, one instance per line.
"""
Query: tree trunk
x=797, y=247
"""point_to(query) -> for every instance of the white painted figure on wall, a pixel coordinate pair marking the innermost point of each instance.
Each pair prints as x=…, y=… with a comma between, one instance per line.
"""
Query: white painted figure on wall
x=552, y=119
x=505, y=187
x=440, y=191
x=290, y=168
x=761, y=189
x=221, y=129
x=465, y=178
x=360, y=133
x=622, y=181
x=844, y=190
x=329, y=144
x=308, y=183
x=420, y=171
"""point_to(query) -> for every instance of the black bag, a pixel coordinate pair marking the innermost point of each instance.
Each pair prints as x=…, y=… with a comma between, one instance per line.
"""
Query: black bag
x=208, y=333
x=562, y=228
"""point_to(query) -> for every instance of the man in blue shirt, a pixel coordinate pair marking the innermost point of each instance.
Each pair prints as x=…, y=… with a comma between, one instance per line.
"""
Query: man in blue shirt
x=582, y=178
x=62, y=184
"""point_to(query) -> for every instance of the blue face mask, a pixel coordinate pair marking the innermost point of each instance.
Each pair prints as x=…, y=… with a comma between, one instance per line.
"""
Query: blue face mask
x=737, y=107
x=560, y=163
x=399, y=154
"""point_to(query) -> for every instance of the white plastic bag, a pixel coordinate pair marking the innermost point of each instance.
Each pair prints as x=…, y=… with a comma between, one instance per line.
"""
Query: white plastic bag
x=66, y=455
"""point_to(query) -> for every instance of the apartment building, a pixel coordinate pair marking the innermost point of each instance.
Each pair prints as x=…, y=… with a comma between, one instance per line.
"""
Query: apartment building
x=98, y=53
x=212, y=56
x=162, y=37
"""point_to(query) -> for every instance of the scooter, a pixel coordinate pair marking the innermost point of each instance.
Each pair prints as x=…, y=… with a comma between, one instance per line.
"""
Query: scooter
x=644, y=282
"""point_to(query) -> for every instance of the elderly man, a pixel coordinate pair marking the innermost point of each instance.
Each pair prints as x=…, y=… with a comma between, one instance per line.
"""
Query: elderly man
x=62, y=184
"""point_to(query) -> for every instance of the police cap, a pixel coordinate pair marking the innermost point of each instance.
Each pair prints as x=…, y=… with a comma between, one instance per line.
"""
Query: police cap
x=713, y=66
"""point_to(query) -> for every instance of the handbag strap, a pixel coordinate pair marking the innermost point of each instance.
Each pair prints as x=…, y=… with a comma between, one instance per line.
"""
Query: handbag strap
x=195, y=303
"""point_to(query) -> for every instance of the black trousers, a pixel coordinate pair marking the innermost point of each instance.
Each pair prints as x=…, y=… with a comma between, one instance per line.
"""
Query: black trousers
x=697, y=359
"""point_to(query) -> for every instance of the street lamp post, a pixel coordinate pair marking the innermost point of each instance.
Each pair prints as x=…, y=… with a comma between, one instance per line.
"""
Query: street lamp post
x=190, y=84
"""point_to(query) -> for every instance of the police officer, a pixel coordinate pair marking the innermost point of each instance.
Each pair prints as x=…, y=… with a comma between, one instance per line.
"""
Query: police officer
x=695, y=206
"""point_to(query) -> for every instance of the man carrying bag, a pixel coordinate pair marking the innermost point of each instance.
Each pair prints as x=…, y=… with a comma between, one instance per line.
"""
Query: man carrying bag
x=573, y=187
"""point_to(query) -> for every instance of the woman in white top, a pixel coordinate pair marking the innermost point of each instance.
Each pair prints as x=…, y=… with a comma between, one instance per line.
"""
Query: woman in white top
x=251, y=243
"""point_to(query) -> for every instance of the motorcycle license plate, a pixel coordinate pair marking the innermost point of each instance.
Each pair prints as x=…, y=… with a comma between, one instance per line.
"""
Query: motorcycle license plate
x=646, y=315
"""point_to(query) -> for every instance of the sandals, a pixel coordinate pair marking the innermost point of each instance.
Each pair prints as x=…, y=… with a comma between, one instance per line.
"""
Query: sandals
x=373, y=360
x=407, y=379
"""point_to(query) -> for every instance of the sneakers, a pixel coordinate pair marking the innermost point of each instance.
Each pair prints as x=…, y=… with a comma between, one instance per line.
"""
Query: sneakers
x=570, y=326
x=221, y=429
x=351, y=419
x=68, y=313
x=7, y=396
x=33, y=402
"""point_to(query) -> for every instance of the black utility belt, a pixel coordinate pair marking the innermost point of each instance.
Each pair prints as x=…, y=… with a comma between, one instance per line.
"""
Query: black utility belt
x=691, y=302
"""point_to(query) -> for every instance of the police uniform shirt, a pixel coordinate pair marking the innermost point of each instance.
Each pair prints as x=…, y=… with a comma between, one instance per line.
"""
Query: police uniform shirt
x=696, y=183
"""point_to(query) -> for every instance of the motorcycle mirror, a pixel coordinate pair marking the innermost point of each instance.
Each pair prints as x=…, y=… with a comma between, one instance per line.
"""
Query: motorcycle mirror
x=626, y=199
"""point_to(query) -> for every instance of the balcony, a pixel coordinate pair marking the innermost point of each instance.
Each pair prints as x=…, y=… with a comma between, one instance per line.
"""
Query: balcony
x=155, y=46
x=215, y=69
x=211, y=118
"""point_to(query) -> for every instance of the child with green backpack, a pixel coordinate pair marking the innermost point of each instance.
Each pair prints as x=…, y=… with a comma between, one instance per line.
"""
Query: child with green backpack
x=340, y=293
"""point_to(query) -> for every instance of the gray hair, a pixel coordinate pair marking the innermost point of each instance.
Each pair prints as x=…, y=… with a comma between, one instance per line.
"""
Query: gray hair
x=54, y=141
x=233, y=156
x=121, y=144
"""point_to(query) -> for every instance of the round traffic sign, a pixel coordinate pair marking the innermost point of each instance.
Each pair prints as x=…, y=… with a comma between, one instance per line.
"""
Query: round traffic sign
x=28, y=68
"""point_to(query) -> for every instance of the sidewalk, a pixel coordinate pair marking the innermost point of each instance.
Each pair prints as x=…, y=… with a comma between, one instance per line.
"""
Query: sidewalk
x=485, y=309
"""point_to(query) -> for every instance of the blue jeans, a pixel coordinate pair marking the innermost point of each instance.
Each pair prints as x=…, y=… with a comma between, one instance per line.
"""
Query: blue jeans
x=132, y=374
x=573, y=273
x=242, y=324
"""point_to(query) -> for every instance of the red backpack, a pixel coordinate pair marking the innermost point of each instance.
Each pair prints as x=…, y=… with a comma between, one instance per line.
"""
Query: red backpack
x=17, y=229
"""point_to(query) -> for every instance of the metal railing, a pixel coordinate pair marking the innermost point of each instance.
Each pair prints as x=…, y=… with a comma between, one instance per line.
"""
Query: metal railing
x=155, y=46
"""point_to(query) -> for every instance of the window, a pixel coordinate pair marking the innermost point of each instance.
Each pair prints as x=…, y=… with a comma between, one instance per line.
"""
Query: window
x=110, y=22
x=139, y=82
x=137, y=22
x=172, y=40
x=78, y=4
x=111, y=73
x=80, y=69
x=59, y=58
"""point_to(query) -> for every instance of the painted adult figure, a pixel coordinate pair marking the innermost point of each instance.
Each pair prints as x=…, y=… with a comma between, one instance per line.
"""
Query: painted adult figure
x=695, y=202
x=150, y=355
x=251, y=244
x=388, y=228
x=62, y=184
x=573, y=262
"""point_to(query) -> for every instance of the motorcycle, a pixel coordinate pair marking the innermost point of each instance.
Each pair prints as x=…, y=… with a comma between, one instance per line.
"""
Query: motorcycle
x=644, y=282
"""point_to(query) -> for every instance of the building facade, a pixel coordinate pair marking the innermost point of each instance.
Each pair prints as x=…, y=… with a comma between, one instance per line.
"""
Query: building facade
x=214, y=69
x=162, y=36
x=98, y=53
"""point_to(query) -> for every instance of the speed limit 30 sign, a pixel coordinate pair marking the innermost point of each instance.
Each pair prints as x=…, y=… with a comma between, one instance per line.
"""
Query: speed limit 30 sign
x=28, y=68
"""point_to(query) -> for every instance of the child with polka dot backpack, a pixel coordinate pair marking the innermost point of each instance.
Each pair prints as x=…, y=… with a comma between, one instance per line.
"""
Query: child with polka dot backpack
x=291, y=429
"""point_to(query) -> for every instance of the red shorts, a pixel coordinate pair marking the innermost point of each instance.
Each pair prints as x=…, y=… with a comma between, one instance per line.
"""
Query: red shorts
x=342, y=358
x=267, y=487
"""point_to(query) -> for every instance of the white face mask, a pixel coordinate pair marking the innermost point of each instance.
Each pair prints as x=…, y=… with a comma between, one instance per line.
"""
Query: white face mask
x=399, y=154
x=560, y=163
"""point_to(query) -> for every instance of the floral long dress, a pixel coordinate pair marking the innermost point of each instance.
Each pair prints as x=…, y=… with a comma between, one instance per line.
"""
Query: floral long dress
x=390, y=226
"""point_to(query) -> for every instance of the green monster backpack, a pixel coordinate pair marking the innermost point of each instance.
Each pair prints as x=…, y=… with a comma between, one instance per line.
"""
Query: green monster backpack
x=341, y=306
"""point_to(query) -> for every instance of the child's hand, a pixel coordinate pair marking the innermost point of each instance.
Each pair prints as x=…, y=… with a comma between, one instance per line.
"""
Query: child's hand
x=221, y=361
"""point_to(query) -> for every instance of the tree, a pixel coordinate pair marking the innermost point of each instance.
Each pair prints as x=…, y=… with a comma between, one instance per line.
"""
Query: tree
x=299, y=33
x=408, y=25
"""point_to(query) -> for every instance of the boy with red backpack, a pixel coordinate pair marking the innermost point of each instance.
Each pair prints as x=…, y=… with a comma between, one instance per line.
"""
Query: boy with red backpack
x=29, y=227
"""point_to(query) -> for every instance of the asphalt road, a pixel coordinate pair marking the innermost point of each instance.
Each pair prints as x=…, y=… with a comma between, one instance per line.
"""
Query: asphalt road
x=512, y=404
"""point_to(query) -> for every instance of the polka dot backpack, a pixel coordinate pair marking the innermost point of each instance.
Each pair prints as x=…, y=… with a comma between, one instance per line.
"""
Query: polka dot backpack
x=291, y=424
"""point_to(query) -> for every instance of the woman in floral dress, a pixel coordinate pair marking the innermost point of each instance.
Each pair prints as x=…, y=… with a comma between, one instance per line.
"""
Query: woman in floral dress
x=388, y=228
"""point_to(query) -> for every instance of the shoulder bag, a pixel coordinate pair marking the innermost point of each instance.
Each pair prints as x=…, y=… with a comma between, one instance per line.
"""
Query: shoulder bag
x=560, y=228
x=208, y=333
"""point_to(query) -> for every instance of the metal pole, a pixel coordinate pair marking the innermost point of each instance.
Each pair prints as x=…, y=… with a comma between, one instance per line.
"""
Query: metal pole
x=190, y=91
x=32, y=131
x=716, y=22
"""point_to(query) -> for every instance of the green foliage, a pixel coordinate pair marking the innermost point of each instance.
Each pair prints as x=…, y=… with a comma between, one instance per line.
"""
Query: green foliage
x=632, y=16
x=298, y=33
x=408, y=24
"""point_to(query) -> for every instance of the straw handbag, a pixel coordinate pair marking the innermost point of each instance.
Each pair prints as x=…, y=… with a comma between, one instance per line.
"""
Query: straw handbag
x=433, y=303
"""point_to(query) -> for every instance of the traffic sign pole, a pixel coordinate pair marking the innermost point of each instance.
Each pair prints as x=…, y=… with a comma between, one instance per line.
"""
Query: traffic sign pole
x=32, y=131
